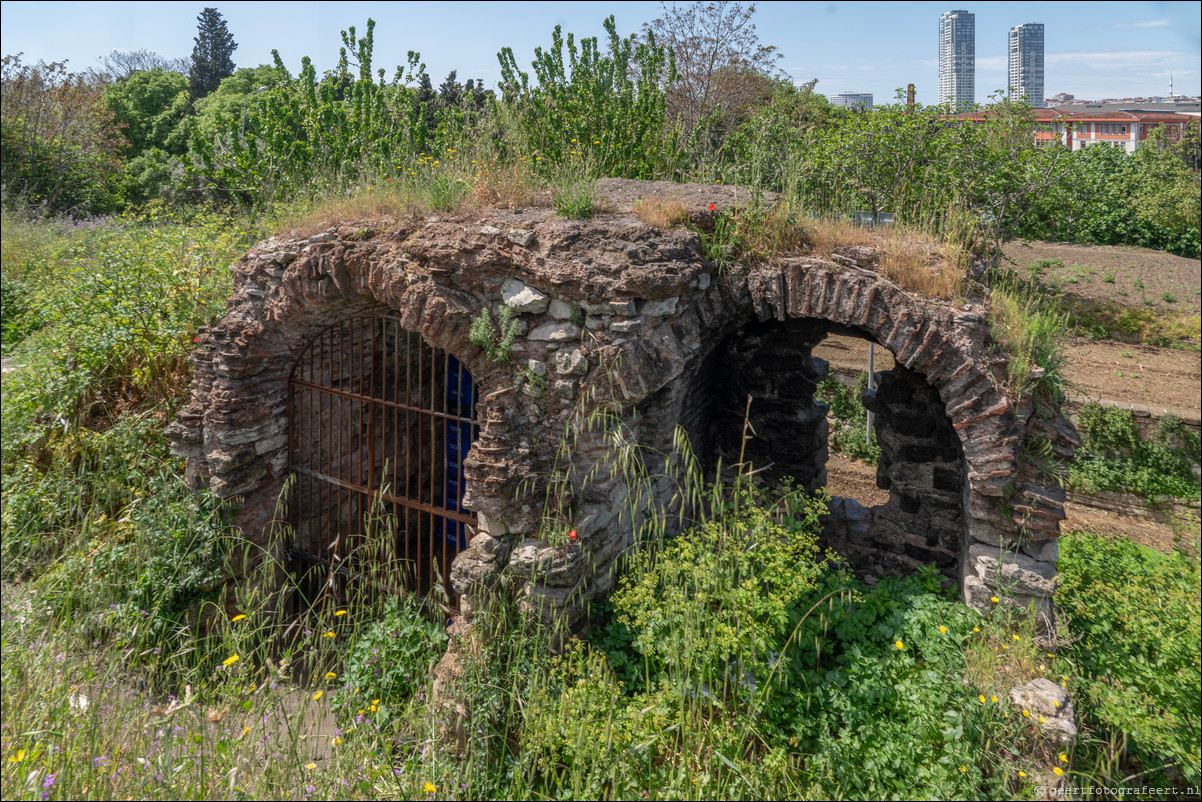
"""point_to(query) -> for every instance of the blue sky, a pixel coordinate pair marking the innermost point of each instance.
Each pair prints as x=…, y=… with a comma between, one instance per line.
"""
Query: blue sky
x=1093, y=50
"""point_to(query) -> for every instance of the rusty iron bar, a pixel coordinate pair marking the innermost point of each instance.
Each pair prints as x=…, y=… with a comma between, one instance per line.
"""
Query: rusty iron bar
x=352, y=370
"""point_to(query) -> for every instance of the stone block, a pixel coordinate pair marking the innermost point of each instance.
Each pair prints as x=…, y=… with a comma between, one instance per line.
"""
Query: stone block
x=1048, y=706
x=555, y=332
x=660, y=308
x=560, y=310
x=571, y=362
x=521, y=297
x=1012, y=572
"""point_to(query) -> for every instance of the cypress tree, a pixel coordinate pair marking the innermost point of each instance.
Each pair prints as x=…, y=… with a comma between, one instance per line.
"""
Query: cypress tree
x=212, y=57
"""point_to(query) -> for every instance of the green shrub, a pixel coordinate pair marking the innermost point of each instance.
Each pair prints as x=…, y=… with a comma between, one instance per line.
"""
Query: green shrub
x=387, y=662
x=497, y=344
x=850, y=436
x=1114, y=457
x=1140, y=620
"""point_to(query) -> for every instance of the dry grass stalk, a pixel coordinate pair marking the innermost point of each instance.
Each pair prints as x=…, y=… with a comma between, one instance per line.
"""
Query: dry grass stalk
x=916, y=263
x=370, y=204
x=826, y=234
x=508, y=186
x=661, y=212
x=764, y=235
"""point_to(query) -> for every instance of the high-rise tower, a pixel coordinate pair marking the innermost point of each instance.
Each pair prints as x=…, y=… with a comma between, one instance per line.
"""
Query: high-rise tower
x=957, y=58
x=1026, y=63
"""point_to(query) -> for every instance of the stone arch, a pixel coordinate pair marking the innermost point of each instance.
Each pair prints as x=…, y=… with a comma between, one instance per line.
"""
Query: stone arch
x=233, y=433
x=608, y=309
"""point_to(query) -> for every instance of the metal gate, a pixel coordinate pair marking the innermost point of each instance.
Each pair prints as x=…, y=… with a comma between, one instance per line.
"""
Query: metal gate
x=379, y=424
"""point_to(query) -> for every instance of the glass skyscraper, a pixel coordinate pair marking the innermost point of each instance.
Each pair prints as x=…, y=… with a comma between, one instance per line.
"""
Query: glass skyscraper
x=1026, y=63
x=958, y=58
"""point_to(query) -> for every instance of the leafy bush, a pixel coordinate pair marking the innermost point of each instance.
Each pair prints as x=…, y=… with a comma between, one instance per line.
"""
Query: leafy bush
x=850, y=436
x=1114, y=457
x=1140, y=620
x=388, y=661
x=715, y=603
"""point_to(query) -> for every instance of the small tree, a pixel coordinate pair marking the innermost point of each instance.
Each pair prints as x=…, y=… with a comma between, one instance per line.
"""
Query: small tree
x=120, y=65
x=213, y=55
x=720, y=61
x=61, y=148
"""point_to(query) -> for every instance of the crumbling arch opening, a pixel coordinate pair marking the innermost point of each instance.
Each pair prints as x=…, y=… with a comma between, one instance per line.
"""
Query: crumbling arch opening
x=921, y=466
x=379, y=425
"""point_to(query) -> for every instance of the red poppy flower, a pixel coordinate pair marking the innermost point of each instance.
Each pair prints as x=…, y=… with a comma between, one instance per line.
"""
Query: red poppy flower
x=572, y=535
x=712, y=207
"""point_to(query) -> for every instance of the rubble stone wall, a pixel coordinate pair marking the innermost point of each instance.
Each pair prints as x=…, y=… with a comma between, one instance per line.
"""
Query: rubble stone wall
x=614, y=313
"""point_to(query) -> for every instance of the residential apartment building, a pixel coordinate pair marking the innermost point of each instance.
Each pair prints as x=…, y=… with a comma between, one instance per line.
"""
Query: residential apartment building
x=957, y=58
x=1026, y=63
x=853, y=100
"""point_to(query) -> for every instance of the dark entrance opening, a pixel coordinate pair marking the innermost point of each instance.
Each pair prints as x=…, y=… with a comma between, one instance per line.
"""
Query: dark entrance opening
x=921, y=464
x=379, y=425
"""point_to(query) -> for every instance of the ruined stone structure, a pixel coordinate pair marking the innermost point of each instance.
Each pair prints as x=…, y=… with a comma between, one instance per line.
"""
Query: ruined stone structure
x=617, y=315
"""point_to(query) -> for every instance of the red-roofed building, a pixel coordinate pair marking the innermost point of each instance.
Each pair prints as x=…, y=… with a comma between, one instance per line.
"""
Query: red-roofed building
x=1126, y=129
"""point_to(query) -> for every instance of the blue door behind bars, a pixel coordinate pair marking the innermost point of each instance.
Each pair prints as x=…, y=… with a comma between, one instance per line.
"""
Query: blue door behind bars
x=462, y=395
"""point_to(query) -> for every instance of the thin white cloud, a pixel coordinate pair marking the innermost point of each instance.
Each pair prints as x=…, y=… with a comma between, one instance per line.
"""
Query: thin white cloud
x=1116, y=59
x=1152, y=23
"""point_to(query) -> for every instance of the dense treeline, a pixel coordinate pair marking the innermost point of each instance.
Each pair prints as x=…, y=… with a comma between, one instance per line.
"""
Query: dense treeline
x=263, y=135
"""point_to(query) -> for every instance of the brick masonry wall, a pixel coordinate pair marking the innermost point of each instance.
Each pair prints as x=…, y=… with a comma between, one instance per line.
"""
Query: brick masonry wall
x=618, y=316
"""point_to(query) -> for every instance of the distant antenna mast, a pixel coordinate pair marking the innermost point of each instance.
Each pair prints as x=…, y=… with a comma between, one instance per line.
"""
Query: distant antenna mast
x=1170, y=86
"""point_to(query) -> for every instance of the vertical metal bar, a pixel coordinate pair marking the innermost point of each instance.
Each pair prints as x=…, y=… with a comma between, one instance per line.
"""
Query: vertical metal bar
x=871, y=385
x=371, y=433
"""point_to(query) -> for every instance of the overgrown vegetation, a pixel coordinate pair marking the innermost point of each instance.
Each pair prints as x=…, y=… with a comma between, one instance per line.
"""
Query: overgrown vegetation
x=1113, y=456
x=1135, y=676
x=850, y=434
x=735, y=659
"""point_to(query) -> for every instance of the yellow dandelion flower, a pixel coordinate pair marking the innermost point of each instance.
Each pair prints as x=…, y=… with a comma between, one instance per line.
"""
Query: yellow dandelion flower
x=310, y=766
x=1064, y=685
x=942, y=628
x=963, y=769
x=1055, y=704
x=245, y=732
x=331, y=675
x=17, y=758
x=1026, y=714
x=375, y=701
x=317, y=696
x=1064, y=758
x=1022, y=774
x=1057, y=771
x=339, y=612
x=1042, y=720
x=1004, y=646
x=238, y=617
x=899, y=644
x=328, y=635
x=976, y=629
x=993, y=599
x=429, y=787
x=981, y=697
x=229, y=661
x=1017, y=638
x=993, y=699
x=335, y=741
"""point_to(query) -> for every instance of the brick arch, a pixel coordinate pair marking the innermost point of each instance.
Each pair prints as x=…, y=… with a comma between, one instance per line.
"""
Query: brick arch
x=610, y=309
x=234, y=430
